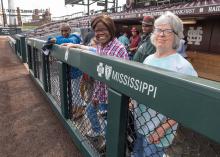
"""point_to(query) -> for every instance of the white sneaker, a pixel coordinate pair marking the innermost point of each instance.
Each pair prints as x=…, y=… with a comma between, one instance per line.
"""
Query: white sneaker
x=102, y=113
x=84, y=104
x=92, y=133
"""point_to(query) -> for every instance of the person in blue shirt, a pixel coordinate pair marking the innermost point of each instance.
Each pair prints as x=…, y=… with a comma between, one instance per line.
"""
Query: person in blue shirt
x=124, y=39
x=182, y=48
x=75, y=73
x=66, y=36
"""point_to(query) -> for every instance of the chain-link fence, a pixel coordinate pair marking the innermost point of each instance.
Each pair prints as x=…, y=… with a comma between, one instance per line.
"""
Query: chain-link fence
x=38, y=64
x=149, y=133
x=53, y=79
x=89, y=119
x=31, y=57
x=152, y=134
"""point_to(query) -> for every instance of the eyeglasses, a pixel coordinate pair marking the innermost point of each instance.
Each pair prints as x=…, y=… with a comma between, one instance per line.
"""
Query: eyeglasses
x=166, y=32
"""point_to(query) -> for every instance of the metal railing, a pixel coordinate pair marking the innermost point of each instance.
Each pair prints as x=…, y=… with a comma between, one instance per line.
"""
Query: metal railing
x=192, y=102
x=20, y=47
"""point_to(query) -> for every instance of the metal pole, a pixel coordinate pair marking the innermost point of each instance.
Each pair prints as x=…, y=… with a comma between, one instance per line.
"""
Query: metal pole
x=114, y=9
x=106, y=5
x=88, y=7
x=3, y=13
x=116, y=6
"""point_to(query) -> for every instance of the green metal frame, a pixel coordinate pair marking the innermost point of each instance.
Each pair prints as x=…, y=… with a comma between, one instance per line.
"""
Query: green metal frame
x=194, y=102
x=63, y=89
x=44, y=72
x=117, y=120
x=29, y=56
x=21, y=47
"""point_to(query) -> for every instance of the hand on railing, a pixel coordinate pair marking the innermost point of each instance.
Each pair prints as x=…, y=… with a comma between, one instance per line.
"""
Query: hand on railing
x=71, y=45
x=83, y=47
x=53, y=40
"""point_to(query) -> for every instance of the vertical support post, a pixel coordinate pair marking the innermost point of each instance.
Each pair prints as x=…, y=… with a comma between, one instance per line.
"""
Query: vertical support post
x=117, y=123
x=34, y=60
x=18, y=46
x=88, y=7
x=29, y=56
x=23, y=49
x=3, y=14
x=116, y=6
x=63, y=88
x=48, y=73
x=106, y=5
x=44, y=72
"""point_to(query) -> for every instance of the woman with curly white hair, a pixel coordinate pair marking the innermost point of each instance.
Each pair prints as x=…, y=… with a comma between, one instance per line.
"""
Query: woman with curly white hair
x=155, y=132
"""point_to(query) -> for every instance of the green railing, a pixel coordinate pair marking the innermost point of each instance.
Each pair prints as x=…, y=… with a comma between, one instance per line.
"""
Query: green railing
x=21, y=47
x=193, y=102
x=12, y=43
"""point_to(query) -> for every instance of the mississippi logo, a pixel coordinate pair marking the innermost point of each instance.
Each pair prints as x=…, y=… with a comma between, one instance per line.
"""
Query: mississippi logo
x=104, y=70
x=100, y=69
x=108, y=72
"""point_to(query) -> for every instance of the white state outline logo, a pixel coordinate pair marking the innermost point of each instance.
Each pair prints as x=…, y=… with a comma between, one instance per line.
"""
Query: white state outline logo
x=104, y=70
x=100, y=69
x=108, y=72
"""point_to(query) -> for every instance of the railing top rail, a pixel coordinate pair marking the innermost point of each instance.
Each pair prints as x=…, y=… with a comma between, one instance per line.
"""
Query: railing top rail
x=18, y=36
x=192, y=101
x=12, y=39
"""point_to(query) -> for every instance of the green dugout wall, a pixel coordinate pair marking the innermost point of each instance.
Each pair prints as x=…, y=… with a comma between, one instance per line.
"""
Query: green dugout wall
x=191, y=101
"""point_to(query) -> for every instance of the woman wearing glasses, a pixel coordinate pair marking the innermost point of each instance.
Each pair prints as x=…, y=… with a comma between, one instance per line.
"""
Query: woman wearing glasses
x=155, y=132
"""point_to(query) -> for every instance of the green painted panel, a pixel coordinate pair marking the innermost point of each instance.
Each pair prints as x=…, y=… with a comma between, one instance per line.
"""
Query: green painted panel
x=117, y=120
x=194, y=102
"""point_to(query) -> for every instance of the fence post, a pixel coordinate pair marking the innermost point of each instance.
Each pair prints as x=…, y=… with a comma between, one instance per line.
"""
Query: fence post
x=23, y=49
x=18, y=45
x=117, y=124
x=34, y=60
x=29, y=56
x=45, y=72
x=63, y=88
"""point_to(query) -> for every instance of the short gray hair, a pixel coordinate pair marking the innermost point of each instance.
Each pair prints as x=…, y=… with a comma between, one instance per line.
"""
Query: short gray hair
x=65, y=25
x=175, y=23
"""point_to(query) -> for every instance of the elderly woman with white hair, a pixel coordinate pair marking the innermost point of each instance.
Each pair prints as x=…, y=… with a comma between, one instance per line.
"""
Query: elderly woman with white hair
x=155, y=131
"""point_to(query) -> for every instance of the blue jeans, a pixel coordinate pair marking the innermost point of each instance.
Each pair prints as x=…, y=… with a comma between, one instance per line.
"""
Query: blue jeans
x=91, y=111
x=142, y=148
x=76, y=98
x=131, y=55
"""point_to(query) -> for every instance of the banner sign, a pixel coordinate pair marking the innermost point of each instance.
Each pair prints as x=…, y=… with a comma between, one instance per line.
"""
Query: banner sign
x=22, y=11
x=203, y=10
x=9, y=31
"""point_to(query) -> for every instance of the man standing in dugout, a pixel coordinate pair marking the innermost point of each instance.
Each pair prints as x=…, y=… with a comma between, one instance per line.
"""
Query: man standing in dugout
x=145, y=47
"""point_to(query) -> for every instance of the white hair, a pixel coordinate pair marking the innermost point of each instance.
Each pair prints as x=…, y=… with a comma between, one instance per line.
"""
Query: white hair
x=175, y=23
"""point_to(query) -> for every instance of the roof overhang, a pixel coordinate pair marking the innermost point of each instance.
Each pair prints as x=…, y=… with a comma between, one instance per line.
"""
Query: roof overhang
x=192, y=9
